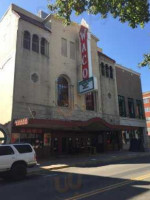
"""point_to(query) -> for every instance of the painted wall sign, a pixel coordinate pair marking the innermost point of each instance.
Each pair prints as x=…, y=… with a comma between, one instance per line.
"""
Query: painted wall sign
x=84, y=51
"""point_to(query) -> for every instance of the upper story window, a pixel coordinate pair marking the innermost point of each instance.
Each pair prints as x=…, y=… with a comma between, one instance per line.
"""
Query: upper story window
x=64, y=47
x=146, y=100
x=44, y=47
x=102, y=69
x=147, y=109
x=122, y=107
x=72, y=50
x=63, y=92
x=35, y=43
x=148, y=129
x=90, y=101
x=26, y=40
x=111, y=72
x=107, y=70
x=131, y=108
x=139, y=109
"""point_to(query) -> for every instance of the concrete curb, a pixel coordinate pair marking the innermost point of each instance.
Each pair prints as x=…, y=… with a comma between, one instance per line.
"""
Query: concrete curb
x=84, y=164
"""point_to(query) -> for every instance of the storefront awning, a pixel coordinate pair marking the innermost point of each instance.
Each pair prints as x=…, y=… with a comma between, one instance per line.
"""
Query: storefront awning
x=94, y=124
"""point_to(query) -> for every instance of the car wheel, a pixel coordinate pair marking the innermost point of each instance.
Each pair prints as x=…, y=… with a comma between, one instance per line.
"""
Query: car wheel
x=18, y=171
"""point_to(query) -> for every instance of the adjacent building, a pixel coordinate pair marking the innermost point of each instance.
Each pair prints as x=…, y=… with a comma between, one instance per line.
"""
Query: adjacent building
x=60, y=92
x=130, y=103
x=146, y=100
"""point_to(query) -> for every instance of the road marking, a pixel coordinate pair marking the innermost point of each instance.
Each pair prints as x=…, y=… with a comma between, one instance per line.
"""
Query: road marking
x=110, y=187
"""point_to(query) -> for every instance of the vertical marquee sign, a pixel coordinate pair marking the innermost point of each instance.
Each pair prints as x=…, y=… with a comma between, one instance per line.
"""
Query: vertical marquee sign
x=88, y=83
x=84, y=51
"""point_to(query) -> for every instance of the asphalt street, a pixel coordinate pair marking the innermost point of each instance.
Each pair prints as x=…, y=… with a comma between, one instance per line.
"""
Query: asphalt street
x=119, y=180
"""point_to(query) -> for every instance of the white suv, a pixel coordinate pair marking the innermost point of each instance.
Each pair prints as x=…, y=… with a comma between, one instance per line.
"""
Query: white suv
x=15, y=159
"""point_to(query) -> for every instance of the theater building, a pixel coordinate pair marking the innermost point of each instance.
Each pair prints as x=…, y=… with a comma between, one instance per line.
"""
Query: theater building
x=59, y=90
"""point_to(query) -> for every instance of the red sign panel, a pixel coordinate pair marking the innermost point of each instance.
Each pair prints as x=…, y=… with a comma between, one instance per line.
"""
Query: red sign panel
x=21, y=122
x=84, y=52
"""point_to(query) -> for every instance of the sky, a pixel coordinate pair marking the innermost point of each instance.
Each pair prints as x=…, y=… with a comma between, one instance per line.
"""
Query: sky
x=119, y=41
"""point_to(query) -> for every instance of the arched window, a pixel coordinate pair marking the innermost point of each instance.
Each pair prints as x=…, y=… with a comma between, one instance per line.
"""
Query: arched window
x=103, y=69
x=107, y=70
x=44, y=47
x=35, y=43
x=111, y=72
x=26, y=40
x=63, y=92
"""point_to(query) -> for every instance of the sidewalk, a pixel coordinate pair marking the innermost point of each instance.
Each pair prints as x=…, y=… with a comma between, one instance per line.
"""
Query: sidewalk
x=83, y=161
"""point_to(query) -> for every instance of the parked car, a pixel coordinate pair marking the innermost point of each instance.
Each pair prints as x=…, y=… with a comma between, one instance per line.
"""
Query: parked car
x=15, y=159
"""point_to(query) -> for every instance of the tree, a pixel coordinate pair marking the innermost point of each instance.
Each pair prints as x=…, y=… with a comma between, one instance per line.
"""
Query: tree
x=135, y=12
x=146, y=61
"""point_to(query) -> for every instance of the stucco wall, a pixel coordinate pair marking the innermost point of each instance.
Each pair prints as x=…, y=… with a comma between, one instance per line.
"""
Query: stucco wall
x=108, y=87
x=8, y=32
x=42, y=95
x=129, y=85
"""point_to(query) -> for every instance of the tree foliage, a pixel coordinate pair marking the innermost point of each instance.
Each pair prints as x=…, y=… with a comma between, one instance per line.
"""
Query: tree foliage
x=146, y=61
x=135, y=12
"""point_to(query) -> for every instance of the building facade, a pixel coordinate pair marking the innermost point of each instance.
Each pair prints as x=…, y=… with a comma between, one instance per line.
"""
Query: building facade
x=146, y=100
x=131, y=106
x=41, y=74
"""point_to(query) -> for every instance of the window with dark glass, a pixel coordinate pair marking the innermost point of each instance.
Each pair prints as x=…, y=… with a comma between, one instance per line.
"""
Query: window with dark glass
x=122, y=107
x=131, y=108
x=35, y=43
x=107, y=70
x=6, y=150
x=139, y=109
x=44, y=47
x=90, y=101
x=23, y=148
x=26, y=40
x=63, y=92
x=111, y=72
x=103, y=69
